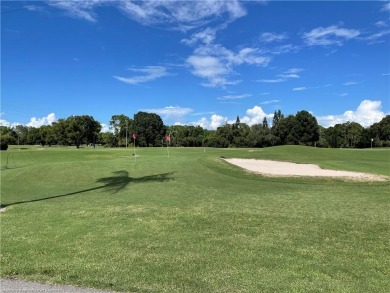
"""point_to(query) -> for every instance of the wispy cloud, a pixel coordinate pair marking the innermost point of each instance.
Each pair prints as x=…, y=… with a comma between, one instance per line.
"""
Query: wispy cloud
x=343, y=94
x=386, y=7
x=301, y=88
x=272, y=80
x=206, y=36
x=291, y=73
x=211, y=69
x=216, y=63
x=331, y=35
x=377, y=37
x=149, y=73
x=269, y=37
x=170, y=112
x=78, y=9
x=367, y=113
x=351, y=82
x=269, y=102
x=182, y=15
x=381, y=24
x=234, y=97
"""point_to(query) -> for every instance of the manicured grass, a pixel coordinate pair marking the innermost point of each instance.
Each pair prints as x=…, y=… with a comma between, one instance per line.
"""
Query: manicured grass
x=193, y=223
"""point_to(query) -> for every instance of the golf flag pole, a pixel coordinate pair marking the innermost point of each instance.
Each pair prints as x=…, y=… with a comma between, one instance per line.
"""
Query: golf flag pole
x=134, y=137
x=168, y=140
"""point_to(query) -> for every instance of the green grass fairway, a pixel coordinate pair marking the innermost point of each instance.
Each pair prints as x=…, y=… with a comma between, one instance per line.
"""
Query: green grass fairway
x=192, y=222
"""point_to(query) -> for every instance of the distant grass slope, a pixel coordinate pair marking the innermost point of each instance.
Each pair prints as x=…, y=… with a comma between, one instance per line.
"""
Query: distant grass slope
x=191, y=222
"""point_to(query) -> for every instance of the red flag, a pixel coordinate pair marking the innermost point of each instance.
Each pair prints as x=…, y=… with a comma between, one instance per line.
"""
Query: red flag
x=168, y=138
x=134, y=136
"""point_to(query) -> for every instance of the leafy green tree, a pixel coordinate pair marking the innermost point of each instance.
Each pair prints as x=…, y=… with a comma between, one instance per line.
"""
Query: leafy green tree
x=123, y=128
x=305, y=129
x=261, y=137
x=354, y=133
x=149, y=128
x=380, y=131
x=46, y=135
x=108, y=139
x=277, y=117
x=22, y=132
x=81, y=129
x=33, y=136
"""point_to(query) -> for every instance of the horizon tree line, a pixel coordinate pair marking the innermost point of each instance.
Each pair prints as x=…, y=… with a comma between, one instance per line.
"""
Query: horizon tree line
x=299, y=129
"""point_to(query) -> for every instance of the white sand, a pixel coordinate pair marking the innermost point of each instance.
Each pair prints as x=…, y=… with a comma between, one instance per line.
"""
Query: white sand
x=276, y=168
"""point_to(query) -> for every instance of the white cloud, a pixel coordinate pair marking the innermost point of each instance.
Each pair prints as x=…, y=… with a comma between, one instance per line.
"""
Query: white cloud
x=254, y=116
x=343, y=94
x=78, y=9
x=216, y=63
x=269, y=102
x=182, y=15
x=233, y=97
x=331, y=35
x=367, y=113
x=377, y=38
x=212, y=123
x=272, y=37
x=386, y=7
x=170, y=112
x=301, y=88
x=206, y=36
x=38, y=122
x=211, y=69
x=6, y=123
x=348, y=83
x=272, y=80
x=105, y=128
x=381, y=24
x=149, y=73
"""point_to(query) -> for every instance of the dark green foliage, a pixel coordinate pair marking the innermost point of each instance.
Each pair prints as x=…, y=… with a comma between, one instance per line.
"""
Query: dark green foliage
x=3, y=144
x=149, y=128
x=123, y=128
x=306, y=129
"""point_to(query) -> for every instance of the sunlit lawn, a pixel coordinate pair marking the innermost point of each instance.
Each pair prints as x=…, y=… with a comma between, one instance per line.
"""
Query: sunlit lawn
x=192, y=223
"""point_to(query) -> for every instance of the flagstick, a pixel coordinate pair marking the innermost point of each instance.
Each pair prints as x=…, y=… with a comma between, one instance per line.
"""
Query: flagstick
x=168, y=149
x=135, y=157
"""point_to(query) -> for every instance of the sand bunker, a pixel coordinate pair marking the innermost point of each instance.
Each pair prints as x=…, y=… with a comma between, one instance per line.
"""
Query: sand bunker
x=276, y=168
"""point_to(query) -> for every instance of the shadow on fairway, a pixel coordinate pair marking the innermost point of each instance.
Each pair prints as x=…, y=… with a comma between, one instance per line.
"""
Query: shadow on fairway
x=112, y=184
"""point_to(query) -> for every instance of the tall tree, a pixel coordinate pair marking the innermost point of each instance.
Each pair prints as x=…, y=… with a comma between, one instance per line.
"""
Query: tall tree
x=82, y=129
x=123, y=127
x=265, y=123
x=149, y=128
x=277, y=117
x=306, y=129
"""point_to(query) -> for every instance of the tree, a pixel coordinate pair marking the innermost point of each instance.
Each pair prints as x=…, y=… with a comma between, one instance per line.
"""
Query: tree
x=22, y=132
x=123, y=128
x=261, y=137
x=82, y=129
x=265, y=123
x=380, y=131
x=149, y=128
x=306, y=129
x=354, y=133
x=277, y=117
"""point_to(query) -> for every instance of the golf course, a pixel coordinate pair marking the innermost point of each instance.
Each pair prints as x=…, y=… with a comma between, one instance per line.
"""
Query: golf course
x=186, y=220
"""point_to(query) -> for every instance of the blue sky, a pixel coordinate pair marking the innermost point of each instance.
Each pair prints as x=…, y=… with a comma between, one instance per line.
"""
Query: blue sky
x=195, y=62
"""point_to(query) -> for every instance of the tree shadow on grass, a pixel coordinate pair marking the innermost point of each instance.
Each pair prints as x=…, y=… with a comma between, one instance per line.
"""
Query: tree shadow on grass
x=112, y=184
